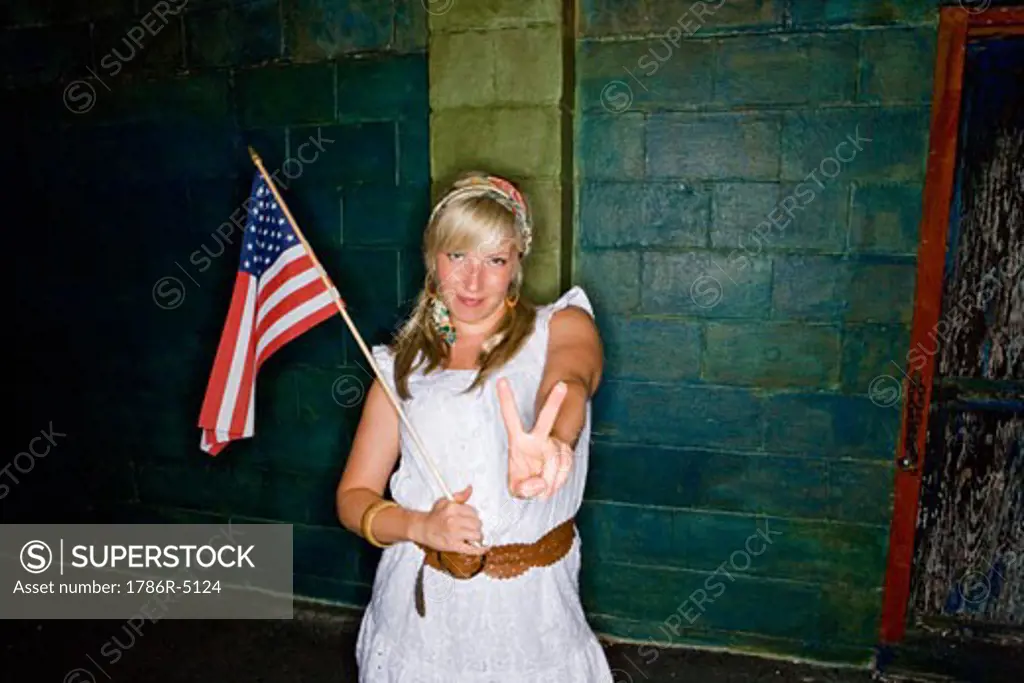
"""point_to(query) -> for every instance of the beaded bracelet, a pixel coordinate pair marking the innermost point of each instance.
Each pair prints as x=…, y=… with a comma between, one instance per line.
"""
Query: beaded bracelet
x=367, y=521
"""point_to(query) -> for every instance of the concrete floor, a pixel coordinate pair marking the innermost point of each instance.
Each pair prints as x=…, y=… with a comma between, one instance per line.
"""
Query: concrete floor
x=316, y=647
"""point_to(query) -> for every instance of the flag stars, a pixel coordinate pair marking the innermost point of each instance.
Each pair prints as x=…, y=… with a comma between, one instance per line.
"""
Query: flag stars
x=267, y=234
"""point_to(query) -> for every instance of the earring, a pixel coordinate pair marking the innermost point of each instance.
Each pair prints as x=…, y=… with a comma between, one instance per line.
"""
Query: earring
x=512, y=301
x=442, y=319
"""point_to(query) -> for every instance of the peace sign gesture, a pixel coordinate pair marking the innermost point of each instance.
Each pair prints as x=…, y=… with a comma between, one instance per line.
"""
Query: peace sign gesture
x=538, y=464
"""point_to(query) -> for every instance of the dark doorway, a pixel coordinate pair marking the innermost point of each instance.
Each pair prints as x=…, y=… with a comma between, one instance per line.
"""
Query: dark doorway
x=957, y=607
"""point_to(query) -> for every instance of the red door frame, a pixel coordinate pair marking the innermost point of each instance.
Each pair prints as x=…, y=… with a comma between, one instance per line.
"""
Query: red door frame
x=956, y=26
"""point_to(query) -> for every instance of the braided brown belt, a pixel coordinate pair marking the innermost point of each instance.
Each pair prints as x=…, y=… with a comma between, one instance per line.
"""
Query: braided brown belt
x=500, y=561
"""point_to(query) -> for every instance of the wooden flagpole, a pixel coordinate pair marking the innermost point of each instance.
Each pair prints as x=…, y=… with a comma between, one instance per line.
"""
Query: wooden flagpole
x=351, y=326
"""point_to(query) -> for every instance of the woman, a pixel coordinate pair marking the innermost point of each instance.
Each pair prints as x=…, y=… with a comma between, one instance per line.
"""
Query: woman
x=482, y=588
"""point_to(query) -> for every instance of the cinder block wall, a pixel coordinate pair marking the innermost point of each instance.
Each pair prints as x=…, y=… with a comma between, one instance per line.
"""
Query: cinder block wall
x=749, y=189
x=132, y=164
x=496, y=98
x=742, y=342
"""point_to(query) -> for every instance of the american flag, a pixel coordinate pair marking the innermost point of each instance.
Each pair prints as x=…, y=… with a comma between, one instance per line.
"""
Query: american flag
x=279, y=294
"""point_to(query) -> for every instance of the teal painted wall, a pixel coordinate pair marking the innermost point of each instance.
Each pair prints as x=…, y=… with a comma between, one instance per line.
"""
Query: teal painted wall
x=747, y=306
x=124, y=181
x=737, y=407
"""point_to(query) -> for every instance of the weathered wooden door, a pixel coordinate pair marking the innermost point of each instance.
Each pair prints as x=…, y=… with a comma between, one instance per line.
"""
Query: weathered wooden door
x=969, y=550
x=959, y=520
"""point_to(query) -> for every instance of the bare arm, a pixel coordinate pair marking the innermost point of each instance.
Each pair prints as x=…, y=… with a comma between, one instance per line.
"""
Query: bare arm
x=575, y=357
x=373, y=456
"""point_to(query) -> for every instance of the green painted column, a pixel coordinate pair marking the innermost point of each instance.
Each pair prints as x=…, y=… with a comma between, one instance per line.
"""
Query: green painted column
x=496, y=83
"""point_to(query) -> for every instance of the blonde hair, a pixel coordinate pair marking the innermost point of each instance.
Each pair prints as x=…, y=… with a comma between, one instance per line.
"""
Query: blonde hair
x=466, y=219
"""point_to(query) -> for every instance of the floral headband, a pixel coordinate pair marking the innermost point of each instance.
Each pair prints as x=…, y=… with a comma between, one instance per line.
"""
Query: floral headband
x=499, y=189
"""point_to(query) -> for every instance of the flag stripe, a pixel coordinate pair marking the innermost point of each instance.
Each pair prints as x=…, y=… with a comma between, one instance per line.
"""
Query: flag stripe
x=216, y=388
x=299, y=274
x=295, y=298
x=240, y=376
x=313, y=312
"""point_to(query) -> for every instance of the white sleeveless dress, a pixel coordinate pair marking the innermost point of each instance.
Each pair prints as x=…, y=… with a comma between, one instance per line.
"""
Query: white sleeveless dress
x=480, y=630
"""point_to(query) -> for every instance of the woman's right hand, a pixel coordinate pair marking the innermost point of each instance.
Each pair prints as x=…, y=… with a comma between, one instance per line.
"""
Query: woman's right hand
x=453, y=526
